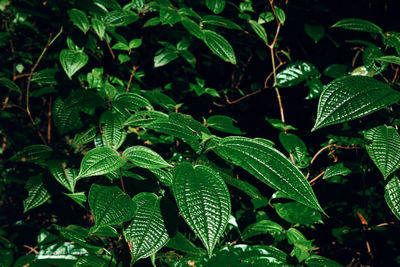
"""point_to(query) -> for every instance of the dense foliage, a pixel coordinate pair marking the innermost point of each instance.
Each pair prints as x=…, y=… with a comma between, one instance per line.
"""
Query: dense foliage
x=199, y=133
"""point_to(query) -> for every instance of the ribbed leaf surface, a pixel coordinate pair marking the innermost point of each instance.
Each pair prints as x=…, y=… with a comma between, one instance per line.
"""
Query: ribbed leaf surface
x=10, y=85
x=120, y=18
x=216, y=6
x=109, y=205
x=295, y=73
x=34, y=153
x=261, y=227
x=293, y=145
x=203, y=200
x=392, y=195
x=99, y=161
x=219, y=46
x=352, y=97
x=66, y=177
x=84, y=137
x=356, y=24
x=144, y=117
x=270, y=166
x=384, y=148
x=79, y=19
x=126, y=102
x=145, y=157
x=334, y=170
x=147, y=232
x=65, y=119
x=113, y=133
x=72, y=61
x=37, y=193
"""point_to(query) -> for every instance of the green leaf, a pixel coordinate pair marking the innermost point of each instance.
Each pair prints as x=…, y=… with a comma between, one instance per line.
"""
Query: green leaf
x=84, y=137
x=135, y=43
x=290, y=213
x=65, y=119
x=259, y=30
x=270, y=166
x=223, y=123
x=335, y=71
x=387, y=59
x=352, y=97
x=221, y=22
x=295, y=73
x=37, y=193
x=126, y=102
x=315, y=32
x=193, y=28
x=369, y=55
x=34, y=153
x=392, y=39
x=334, y=170
x=74, y=233
x=112, y=129
x=169, y=16
x=203, y=200
x=260, y=228
x=384, y=148
x=72, y=61
x=79, y=19
x=144, y=117
x=109, y=205
x=10, y=85
x=107, y=231
x=216, y=6
x=91, y=261
x=358, y=25
x=62, y=252
x=144, y=157
x=66, y=177
x=219, y=46
x=164, y=176
x=147, y=232
x=99, y=161
x=79, y=198
x=316, y=87
x=99, y=28
x=392, y=195
x=319, y=261
x=120, y=18
x=280, y=125
x=293, y=145
x=243, y=186
x=164, y=58
x=181, y=243
x=280, y=14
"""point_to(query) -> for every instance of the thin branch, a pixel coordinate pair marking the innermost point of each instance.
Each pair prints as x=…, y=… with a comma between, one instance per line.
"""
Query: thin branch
x=110, y=49
x=122, y=180
x=316, y=177
x=49, y=120
x=134, y=68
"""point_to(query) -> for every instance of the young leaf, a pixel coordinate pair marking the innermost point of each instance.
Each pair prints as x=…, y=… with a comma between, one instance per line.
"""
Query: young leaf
x=99, y=161
x=147, y=232
x=37, y=193
x=290, y=213
x=295, y=73
x=384, y=148
x=203, y=201
x=109, y=205
x=99, y=28
x=219, y=46
x=145, y=157
x=280, y=14
x=66, y=177
x=270, y=166
x=112, y=130
x=164, y=58
x=72, y=61
x=352, y=97
x=216, y=6
x=79, y=198
x=79, y=19
x=358, y=25
x=392, y=195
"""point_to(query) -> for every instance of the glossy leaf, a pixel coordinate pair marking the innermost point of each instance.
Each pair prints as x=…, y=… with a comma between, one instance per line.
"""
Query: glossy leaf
x=99, y=161
x=293, y=145
x=84, y=137
x=259, y=30
x=389, y=59
x=144, y=157
x=169, y=16
x=335, y=71
x=181, y=243
x=10, y=85
x=220, y=21
x=392, y=195
x=147, y=232
x=66, y=177
x=193, y=28
x=295, y=73
x=356, y=24
x=91, y=261
x=219, y=46
x=99, y=28
x=62, y=252
x=243, y=186
x=216, y=6
x=369, y=55
x=65, y=119
x=384, y=148
x=145, y=117
x=112, y=129
x=223, y=123
x=79, y=19
x=270, y=166
x=72, y=61
x=319, y=261
x=79, y=198
x=203, y=200
x=334, y=170
x=315, y=32
x=352, y=97
x=37, y=193
x=280, y=14
x=124, y=103
x=260, y=228
x=120, y=18
x=290, y=213
x=109, y=205
x=164, y=58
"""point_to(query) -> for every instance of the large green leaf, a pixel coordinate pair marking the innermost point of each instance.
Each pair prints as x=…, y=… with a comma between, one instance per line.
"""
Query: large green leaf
x=65, y=119
x=295, y=73
x=165, y=57
x=72, y=61
x=392, y=195
x=145, y=157
x=99, y=161
x=384, y=148
x=216, y=6
x=112, y=129
x=270, y=166
x=203, y=200
x=356, y=24
x=219, y=46
x=352, y=97
x=84, y=137
x=79, y=19
x=109, y=205
x=260, y=228
x=120, y=18
x=37, y=193
x=66, y=177
x=147, y=232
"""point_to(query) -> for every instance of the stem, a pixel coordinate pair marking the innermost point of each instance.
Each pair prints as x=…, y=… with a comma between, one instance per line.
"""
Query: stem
x=122, y=180
x=134, y=68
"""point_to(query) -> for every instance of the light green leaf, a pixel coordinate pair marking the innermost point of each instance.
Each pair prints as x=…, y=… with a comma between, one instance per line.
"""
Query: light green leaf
x=99, y=28
x=260, y=228
x=280, y=125
x=144, y=157
x=99, y=161
x=270, y=166
x=37, y=193
x=112, y=129
x=387, y=59
x=203, y=200
x=79, y=19
x=334, y=170
x=147, y=232
x=121, y=46
x=259, y=30
x=219, y=46
x=109, y=205
x=221, y=22
x=84, y=137
x=164, y=58
x=72, y=61
x=290, y=213
x=280, y=14
x=192, y=27
x=293, y=145
x=356, y=24
x=65, y=119
x=216, y=6
x=118, y=18
x=135, y=43
x=384, y=148
x=223, y=123
x=319, y=261
x=352, y=97
x=295, y=73
x=315, y=32
x=66, y=177
x=392, y=195
x=10, y=85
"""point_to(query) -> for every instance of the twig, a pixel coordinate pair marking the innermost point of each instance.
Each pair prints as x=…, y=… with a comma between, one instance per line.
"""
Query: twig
x=49, y=120
x=122, y=180
x=134, y=68
x=21, y=76
x=314, y=179
x=319, y=152
x=110, y=49
x=31, y=249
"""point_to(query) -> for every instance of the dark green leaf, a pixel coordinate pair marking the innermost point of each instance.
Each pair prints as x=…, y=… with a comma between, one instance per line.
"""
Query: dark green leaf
x=290, y=212
x=169, y=16
x=219, y=46
x=293, y=145
x=181, y=243
x=66, y=177
x=112, y=129
x=319, y=261
x=216, y=6
x=335, y=71
x=259, y=30
x=65, y=119
x=120, y=18
x=79, y=198
x=10, y=85
x=193, y=28
x=260, y=228
x=84, y=137
x=315, y=32
x=143, y=118
x=334, y=170
x=164, y=58
x=220, y=21
x=145, y=157
x=223, y=123
x=244, y=186
x=387, y=59
x=358, y=25
x=72, y=61
x=37, y=193
x=99, y=28
x=34, y=154
x=392, y=195
x=79, y=19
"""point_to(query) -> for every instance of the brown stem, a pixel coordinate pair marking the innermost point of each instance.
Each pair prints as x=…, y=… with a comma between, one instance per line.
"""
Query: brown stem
x=31, y=249
x=122, y=180
x=110, y=49
x=134, y=68
x=316, y=177
x=49, y=120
